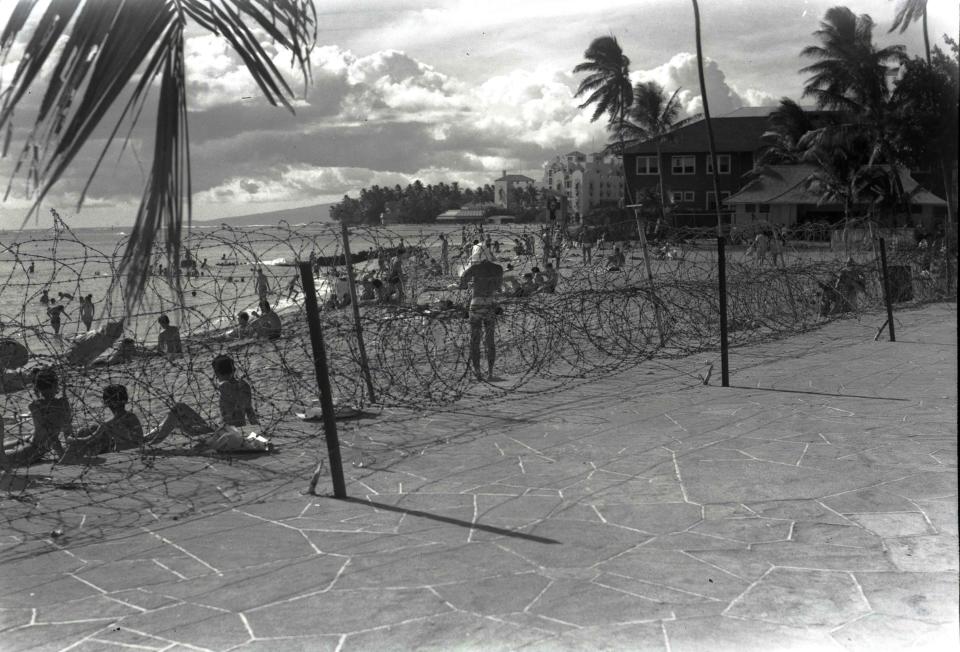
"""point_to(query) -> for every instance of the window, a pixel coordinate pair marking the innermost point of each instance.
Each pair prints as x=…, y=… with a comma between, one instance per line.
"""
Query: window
x=723, y=164
x=750, y=208
x=764, y=208
x=689, y=195
x=711, y=201
x=683, y=164
x=676, y=197
x=647, y=165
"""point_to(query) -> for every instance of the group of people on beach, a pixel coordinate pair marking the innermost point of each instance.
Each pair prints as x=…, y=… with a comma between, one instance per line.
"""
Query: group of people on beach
x=55, y=439
x=56, y=311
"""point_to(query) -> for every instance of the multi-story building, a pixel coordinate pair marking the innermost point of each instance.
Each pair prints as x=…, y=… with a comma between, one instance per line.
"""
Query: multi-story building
x=586, y=182
x=505, y=189
x=684, y=158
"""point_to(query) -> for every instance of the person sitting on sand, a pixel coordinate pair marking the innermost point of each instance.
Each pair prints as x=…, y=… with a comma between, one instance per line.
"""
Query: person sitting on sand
x=121, y=432
x=51, y=417
x=616, y=260
x=527, y=286
x=168, y=341
x=538, y=278
x=267, y=325
x=243, y=325
x=236, y=406
x=550, y=279
x=45, y=296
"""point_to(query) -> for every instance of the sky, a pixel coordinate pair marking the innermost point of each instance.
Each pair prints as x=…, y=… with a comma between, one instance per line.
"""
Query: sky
x=442, y=90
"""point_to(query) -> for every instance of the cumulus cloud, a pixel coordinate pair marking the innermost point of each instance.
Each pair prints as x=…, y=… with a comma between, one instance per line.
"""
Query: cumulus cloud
x=680, y=72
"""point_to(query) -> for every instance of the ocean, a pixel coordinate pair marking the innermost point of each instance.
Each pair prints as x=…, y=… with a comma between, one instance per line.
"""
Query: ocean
x=71, y=263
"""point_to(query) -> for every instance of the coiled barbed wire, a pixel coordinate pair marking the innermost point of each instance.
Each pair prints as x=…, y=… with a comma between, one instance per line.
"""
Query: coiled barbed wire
x=598, y=319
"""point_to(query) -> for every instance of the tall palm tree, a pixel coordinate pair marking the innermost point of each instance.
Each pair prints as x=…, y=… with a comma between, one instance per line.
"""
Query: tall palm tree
x=850, y=76
x=910, y=11
x=850, y=72
x=607, y=85
x=652, y=115
x=114, y=53
x=706, y=116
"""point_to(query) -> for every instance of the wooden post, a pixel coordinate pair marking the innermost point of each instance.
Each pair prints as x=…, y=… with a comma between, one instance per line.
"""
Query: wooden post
x=886, y=290
x=364, y=364
x=722, y=272
x=323, y=381
x=646, y=262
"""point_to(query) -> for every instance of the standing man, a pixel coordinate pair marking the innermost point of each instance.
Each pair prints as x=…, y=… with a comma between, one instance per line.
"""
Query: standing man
x=86, y=310
x=262, y=285
x=487, y=279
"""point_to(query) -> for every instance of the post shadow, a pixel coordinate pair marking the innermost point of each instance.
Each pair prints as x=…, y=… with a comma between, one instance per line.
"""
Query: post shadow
x=807, y=391
x=452, y=521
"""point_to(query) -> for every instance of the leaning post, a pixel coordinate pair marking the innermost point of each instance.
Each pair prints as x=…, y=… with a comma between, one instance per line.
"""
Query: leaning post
x=364, y=363
x=646, y=262
x=886, y=290
x=323, y=380
x=722, y=272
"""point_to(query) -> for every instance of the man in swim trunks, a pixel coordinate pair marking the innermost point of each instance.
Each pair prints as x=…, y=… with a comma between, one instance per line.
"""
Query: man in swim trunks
x=487, y=279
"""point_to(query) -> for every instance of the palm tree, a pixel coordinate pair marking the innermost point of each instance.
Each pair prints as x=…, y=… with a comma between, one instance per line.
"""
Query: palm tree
x=850, y=76
x=607, y=86
x=706, y=116
x=114, y=52
x=910, y=11
x=651, y=117
x=850, y=73
x=787, y=124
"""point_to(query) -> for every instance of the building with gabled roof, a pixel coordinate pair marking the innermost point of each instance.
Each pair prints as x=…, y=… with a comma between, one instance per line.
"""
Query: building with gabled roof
x=506, y=187
x=683, y=154
x=782, y=197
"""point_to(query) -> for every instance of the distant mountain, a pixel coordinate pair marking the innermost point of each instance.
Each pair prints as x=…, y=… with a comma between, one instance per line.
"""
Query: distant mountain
x=315, y=213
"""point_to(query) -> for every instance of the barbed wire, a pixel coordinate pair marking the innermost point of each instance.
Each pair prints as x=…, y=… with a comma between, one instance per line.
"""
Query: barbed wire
x=613, y=310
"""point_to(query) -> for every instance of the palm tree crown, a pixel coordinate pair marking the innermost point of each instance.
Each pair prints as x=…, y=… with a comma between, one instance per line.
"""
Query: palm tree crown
x=850, y=72
x=608, y=81
x=114, y=53
x=911, y=11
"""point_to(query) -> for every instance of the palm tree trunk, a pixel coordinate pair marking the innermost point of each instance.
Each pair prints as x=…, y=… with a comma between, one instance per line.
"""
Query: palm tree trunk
x=706, y=118
x=926, y=37
x=663, y=212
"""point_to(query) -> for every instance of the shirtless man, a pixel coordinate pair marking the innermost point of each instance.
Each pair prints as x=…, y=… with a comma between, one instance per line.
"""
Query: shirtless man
x=487, y=279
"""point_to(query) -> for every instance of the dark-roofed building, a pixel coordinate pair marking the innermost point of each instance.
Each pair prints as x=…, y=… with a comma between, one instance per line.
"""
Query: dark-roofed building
x=684, y=157
x=781, y=197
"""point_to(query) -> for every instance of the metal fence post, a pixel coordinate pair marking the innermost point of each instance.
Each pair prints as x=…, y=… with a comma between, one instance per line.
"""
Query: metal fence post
x=364, y=363
x=722, y=272
x=323, y=380
x=886, y=290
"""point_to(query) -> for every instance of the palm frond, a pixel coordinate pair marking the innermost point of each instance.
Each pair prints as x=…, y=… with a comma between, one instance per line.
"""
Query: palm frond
x=107, y=44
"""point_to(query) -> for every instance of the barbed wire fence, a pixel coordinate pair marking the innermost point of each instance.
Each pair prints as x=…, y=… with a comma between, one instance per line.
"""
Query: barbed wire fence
x=602, y=316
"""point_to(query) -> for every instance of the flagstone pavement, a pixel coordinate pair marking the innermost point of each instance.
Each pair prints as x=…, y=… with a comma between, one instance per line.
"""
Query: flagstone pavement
x=811, y=505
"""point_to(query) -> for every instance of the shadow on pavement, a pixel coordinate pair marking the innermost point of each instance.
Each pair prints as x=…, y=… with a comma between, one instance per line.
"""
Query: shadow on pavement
x=453, y=521
x=805, y=391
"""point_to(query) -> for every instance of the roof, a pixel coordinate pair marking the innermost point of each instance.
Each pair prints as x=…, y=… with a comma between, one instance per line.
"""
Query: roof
x=515, y=177
x=737, y=131
x=731, y=133
x=466, y=214
x=783, y=184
